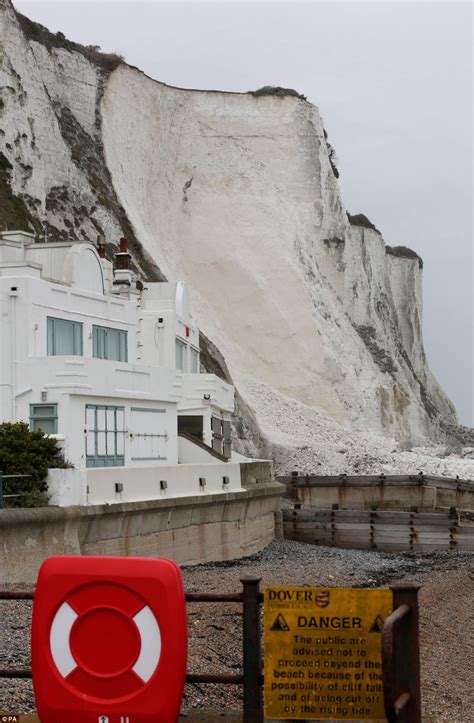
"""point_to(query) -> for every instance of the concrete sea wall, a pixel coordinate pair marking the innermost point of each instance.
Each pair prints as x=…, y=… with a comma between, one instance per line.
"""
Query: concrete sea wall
x=188, y=530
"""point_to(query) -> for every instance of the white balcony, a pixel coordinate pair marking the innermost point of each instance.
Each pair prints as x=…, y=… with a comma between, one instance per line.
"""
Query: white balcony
x=104, y=377
x=199, y=390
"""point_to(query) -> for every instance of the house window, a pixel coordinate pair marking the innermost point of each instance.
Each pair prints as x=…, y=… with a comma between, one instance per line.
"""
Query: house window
x=64, y=337
x=180, y=356
x=194, y=361
x=109, y=343
x=44, y=417
x=105, y=436
x=227, y=432
x=217, y=436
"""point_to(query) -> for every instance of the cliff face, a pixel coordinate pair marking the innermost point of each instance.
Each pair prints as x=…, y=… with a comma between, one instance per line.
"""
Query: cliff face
x=234, y=194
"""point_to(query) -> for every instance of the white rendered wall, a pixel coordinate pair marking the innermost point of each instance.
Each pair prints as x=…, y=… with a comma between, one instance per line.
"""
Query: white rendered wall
x=67, y=487
x=208, y=389
x=168, y=301
x=189, y=453
x=182, y=481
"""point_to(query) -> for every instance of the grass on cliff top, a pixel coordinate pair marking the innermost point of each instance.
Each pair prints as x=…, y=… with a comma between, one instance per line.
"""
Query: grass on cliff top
x=41, y=34
x=360, y=219
x=403, y=252
x=278, y=91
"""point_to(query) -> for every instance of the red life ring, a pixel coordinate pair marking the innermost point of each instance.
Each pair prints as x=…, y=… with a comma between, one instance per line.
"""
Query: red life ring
x=106, y=650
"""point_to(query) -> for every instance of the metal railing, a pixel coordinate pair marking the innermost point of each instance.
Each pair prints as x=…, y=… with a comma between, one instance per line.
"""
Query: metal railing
x=8, y=476
x=251, y=677
x=400, y=651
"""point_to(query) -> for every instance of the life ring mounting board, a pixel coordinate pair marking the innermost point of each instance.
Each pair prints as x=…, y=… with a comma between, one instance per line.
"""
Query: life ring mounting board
x=108, y=640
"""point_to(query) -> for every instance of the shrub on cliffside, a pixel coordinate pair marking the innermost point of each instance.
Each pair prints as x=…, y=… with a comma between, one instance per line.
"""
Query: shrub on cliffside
x=40, y=34
x=31, y=453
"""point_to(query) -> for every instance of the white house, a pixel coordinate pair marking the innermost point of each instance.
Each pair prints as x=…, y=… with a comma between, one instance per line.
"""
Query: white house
x=111, y=367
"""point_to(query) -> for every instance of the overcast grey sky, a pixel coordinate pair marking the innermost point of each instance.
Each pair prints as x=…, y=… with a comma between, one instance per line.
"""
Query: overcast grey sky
x=393, y=81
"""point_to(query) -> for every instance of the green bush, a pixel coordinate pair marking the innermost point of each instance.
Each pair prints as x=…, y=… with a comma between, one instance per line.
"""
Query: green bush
x=26, y=452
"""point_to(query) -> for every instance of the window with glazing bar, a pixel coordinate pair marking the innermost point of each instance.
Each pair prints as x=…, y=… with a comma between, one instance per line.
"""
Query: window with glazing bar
x=44, y=417
x=180, y=356
x=194, y=361
x=64, y=337
x=109, y=343
x=105, y=436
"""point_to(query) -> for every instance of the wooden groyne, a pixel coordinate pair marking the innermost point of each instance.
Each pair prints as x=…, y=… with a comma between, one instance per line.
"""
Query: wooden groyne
x=378, y=512
x=383, y=530
x=395, y=492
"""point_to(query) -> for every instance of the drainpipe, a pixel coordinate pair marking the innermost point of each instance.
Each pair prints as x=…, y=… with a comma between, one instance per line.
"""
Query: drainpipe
x=13, y=296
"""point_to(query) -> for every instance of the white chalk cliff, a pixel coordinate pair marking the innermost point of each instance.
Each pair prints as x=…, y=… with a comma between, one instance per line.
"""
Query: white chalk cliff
x=235, y=194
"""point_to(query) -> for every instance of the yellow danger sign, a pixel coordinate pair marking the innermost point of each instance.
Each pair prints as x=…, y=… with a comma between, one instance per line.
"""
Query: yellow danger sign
x=323, y=653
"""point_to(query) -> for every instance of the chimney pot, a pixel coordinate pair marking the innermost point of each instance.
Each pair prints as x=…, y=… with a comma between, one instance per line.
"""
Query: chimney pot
x=101, y=251
x=123, y=245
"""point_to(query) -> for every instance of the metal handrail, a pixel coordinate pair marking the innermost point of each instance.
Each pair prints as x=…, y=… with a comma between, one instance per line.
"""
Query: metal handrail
x=388, y=644
x=401, y=657
x=16, y=595
x=8, y=476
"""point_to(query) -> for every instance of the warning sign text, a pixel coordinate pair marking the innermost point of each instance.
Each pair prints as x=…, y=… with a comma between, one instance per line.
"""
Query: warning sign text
x=324, y=664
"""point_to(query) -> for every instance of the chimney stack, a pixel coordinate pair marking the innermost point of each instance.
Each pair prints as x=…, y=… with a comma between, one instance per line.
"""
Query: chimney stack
x=101, y=246
x=123, y=257
x=122, y=272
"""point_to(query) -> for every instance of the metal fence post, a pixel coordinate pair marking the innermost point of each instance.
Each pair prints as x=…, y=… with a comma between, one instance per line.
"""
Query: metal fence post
x=401, y=657
x=1, y=489
x=252, y=659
